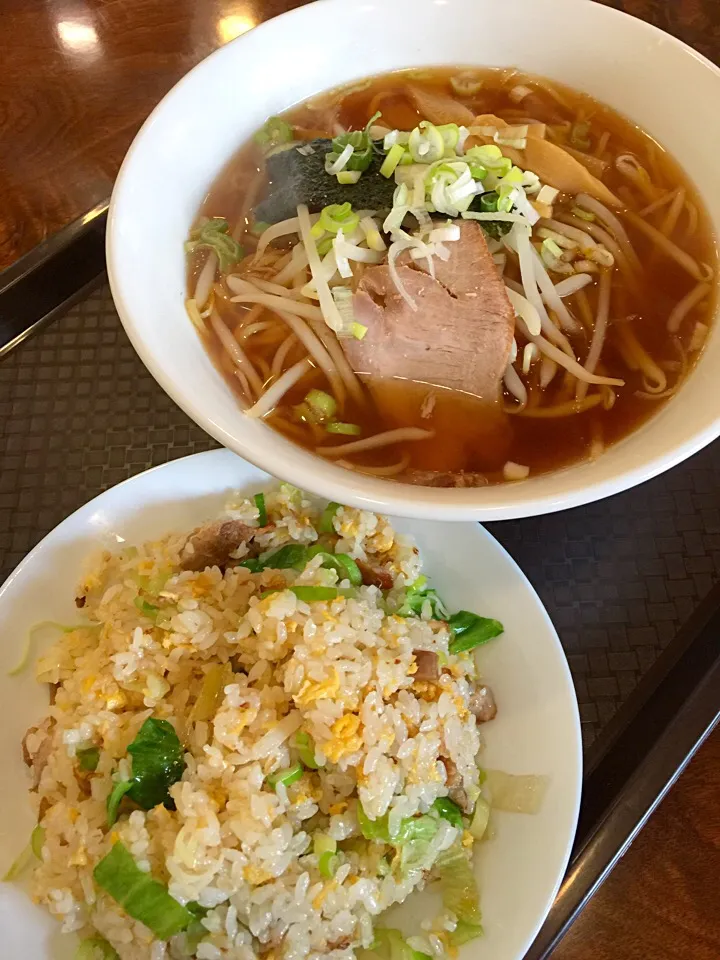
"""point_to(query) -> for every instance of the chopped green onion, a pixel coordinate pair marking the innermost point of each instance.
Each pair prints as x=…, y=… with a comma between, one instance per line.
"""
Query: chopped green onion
x=502, y=167
x=395, y=136
x=194, y=935
x=214, y=235
x=113, y=801
x=328, y=864
x=469, y=631
x=312, y=594
x=449, y=811
x=583, y=214
x=273, y=132
x=345, y=566
x=465, y=85
x=488, y=154
x=322, y=403
x=393, y=158
x=450, y=132
x=489, y=202
x=259, y=227
x=552, y=248
x=149, y=609
x=305, y=746
x=506, y=193
x=514, y=176
x=259, y=499
x=362, y=149
x=477, y=171
x=252, y=564
x=291, y=556
x=450, y=170
x=325, y=246
x=338, y=216
x=481, y=816
x=345, y=429
x=322, y=843
x=96, y=948
x=142, y=898
x=304, y=413
x=88, y=758
x=286, y=777
x=347, y=177
x=358, y=330
x=328, y=515
x=156, y=584
x=416, y=594
x=426, y=143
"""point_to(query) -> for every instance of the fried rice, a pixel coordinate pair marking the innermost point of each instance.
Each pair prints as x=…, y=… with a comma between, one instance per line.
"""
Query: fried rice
x=318, y=730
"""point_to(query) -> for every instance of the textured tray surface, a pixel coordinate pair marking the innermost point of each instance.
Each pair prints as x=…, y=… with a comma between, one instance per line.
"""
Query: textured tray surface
x=79, y=413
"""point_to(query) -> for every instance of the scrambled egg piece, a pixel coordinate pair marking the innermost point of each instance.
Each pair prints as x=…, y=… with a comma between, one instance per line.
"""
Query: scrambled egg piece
x=202, y=585
x=467, y=839
x=243, y=719
x=462, y=710
x=115, y=700
x=256, y=875
x=345, y=737
x=337, y=808
x=426, y=690
x=318, y=900
x=218, y=795
x=317, y=689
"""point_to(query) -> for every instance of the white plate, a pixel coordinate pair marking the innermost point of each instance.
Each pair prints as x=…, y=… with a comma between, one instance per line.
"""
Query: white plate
x=537, y=729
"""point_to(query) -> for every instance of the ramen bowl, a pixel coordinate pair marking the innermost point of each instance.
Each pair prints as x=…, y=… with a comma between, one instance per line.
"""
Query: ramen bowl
x=636, y=69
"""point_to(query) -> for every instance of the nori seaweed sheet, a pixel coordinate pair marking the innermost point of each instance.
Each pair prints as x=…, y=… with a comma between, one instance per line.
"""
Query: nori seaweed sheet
x=296, y=178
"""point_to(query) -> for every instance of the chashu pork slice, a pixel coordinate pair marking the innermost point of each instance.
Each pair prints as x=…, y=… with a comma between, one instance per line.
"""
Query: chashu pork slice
x=460, y=334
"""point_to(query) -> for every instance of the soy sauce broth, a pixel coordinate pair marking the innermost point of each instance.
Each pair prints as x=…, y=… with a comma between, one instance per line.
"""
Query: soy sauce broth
x=478, y=436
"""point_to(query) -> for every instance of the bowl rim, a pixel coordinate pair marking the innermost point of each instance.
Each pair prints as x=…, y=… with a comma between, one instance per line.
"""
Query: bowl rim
x=326, y=478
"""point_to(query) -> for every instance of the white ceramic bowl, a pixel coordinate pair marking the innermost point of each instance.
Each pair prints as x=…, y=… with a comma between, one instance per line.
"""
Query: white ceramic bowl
x=664, y=86
x=537, y=729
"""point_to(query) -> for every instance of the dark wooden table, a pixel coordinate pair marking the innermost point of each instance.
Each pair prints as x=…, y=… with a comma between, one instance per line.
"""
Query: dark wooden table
x=77, y=80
